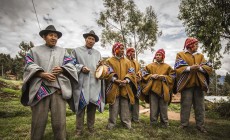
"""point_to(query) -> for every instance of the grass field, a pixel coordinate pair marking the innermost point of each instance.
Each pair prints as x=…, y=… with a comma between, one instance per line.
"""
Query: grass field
x=15, y=121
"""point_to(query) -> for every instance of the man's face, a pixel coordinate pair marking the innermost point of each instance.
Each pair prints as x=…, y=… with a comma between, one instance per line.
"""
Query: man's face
x=132, y=54
x=195, y=47
x=51, y=39
x=159, y=57
x=89, y=42
x=121, y=51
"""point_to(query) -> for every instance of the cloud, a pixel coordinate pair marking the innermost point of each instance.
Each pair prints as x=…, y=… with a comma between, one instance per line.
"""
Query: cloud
x=75, y=17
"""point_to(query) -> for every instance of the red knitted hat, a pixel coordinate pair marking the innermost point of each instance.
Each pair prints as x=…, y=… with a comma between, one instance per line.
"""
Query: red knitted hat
x=189, y=41
x=162, y=52
x=116, y=46
x=129, y=50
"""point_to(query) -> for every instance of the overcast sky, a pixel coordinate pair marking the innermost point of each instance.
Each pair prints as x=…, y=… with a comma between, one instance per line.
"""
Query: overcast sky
x=75, y=17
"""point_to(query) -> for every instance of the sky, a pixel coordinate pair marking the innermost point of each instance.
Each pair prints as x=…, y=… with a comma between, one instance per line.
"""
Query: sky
x=75, y=17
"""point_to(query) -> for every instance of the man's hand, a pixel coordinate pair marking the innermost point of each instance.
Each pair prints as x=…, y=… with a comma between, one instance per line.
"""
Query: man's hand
x=85, y=70
x=138, y=78
x=117, y=82
x=194, y=68
x=154, y=76
x=123, y=83
x=47, y=76
x=57, y=70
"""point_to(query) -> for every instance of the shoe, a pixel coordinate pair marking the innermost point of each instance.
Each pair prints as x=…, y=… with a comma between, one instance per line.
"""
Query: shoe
x=164, y=125
x=202, y=129
x=182, y=127
x=78, y=133
x=136, y=121
x=91, y=130
x=129, y=127
x=109, y=127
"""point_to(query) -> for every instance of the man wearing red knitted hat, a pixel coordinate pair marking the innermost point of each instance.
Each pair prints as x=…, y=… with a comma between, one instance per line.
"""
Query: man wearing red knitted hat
x=158, y=77
x=192, y=76
x=119, y=94
x=130, y=54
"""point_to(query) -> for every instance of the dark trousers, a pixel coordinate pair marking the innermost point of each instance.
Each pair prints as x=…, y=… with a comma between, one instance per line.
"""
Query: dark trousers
x=91, y=110
x=192, y=96
x=57, y=105
x=121, y=107
x=135, y=110
x=158, y=106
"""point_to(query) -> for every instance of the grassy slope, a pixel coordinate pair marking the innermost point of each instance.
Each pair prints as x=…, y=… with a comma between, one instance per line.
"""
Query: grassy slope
x=15, y=122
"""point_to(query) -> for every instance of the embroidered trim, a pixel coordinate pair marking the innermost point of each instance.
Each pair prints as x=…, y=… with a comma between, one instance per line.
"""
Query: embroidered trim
x=43, y=92
x=82, y=102
x=131, y=70
x=29, y=59
x=180, y=62
x=69, y=59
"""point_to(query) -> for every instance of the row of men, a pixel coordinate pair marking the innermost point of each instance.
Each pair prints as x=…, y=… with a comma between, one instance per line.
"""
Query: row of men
x=52, y=77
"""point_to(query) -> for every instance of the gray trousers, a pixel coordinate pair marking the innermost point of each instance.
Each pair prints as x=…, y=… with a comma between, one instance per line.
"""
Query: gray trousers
x=192, y=96
x=121, y=107
x=158, y=106
x=135, y=110
x=57, y=105
x=91, y=110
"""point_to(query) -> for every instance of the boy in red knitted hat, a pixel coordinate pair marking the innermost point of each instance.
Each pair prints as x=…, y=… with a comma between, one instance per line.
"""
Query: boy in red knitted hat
x=192, y=76
x=130, y=54
x=158, y=83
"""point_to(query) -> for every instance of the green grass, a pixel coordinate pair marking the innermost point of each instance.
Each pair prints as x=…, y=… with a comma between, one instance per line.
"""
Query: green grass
x=11, y=91
x=13, y=84
x=174, y=107
x=15, y=121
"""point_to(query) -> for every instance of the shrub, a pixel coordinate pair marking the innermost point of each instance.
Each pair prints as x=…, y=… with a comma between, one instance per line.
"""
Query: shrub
x=223, y=109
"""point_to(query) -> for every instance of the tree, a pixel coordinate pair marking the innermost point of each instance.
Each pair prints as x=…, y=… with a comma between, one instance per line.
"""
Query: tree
x=25, y=47
x=123, y=22
x=19, y=61
x=142, y=63
x=17, y=67
x=226, y=86
x=227, y=78
x=6, y=63
x=209, y=21
x=214, y=87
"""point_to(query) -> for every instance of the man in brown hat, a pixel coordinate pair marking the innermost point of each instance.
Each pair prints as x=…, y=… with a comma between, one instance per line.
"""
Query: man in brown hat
x=46, y=86
x=90, y=90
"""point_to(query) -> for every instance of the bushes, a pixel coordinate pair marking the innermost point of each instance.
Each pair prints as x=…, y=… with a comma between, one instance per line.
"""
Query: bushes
x=223, y=109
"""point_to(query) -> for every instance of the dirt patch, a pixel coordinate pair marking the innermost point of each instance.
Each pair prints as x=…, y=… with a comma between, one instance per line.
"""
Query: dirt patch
x=172, y=115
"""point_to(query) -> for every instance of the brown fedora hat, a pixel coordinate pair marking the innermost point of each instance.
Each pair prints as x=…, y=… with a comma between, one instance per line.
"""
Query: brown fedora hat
x=91, y=33
x=48, y=29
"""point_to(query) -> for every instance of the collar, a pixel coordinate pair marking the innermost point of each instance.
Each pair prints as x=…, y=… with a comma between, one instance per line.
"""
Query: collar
x=88, y=48
x=49, y=46
x=118, y=57
x=160, y=62
x=186, y=51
